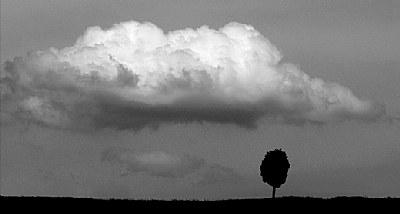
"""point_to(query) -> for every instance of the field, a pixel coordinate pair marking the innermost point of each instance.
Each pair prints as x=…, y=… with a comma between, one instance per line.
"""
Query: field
x=252, y=205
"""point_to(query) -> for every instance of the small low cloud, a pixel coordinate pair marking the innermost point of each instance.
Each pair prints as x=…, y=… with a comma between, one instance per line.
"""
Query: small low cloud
x=170, y=166
x=134, y=76
x=155, y=163
x=216, y=173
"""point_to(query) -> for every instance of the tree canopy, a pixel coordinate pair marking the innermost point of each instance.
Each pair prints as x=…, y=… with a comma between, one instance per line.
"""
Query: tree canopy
x=274, y=168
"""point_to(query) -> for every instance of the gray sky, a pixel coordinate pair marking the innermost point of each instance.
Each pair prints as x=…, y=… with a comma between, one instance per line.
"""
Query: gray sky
x=354, y=43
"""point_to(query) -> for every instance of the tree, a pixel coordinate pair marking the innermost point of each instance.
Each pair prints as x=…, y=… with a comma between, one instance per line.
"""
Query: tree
x=274, y=169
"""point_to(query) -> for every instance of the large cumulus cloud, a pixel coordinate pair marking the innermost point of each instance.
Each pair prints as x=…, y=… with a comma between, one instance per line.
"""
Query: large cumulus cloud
x=134, y=75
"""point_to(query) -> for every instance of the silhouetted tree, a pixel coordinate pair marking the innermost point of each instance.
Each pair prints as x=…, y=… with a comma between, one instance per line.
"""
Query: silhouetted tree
x=274, y=169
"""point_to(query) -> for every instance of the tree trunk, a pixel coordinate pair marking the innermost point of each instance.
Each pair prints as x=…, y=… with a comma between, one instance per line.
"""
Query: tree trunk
x=273, y=192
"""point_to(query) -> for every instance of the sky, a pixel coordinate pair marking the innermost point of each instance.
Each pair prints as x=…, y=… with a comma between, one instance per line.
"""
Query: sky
x=182, y=99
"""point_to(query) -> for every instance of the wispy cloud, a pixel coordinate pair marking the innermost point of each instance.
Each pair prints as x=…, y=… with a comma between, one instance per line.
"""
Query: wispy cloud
x=171, y=166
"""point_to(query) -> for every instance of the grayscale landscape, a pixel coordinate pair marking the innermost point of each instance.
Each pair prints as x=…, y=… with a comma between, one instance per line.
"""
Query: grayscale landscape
x=211, y=101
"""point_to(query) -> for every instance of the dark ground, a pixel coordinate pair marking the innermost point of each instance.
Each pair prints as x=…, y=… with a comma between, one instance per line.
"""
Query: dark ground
x=283, y=204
